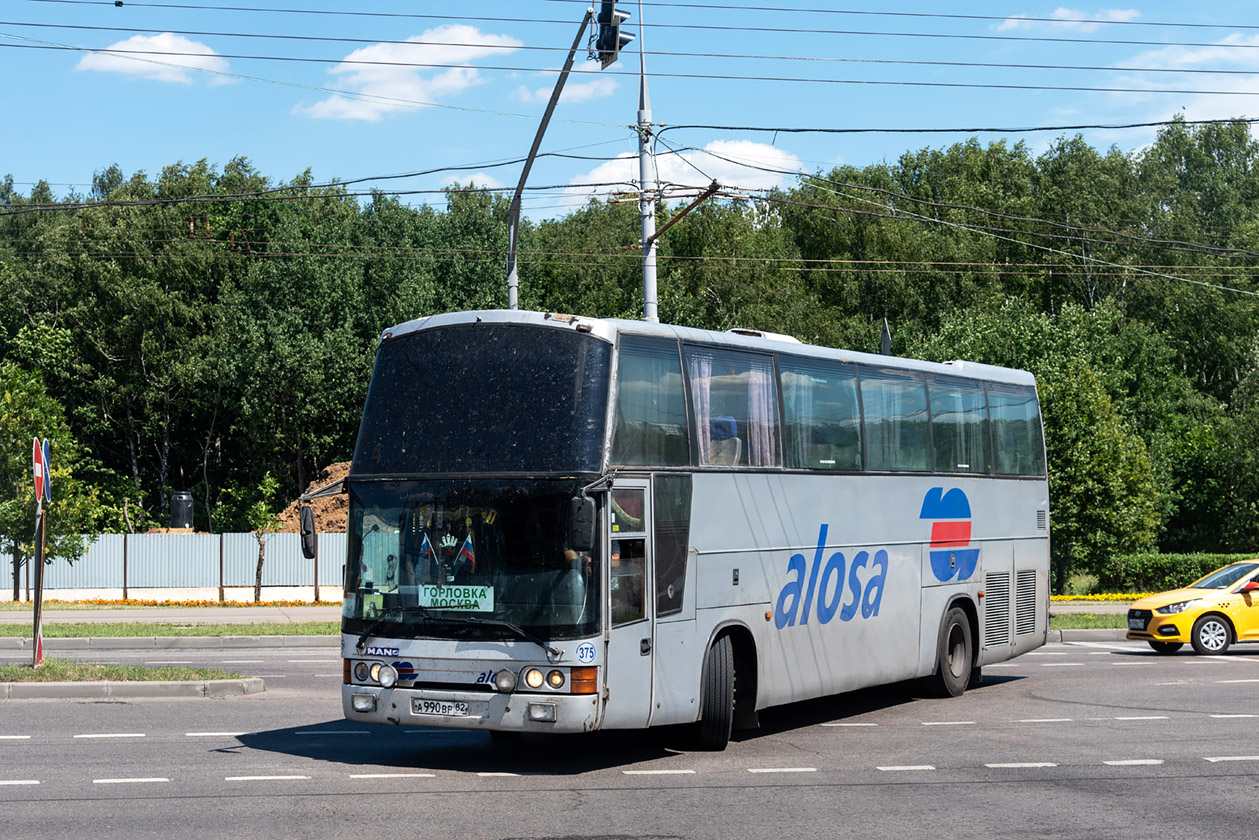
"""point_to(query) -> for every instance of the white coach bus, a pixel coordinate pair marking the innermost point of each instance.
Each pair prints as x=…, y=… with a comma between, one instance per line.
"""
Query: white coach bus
x=562, y=524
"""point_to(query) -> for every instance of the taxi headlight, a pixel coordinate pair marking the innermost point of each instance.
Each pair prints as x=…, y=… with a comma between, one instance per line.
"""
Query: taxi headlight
x=1178, y=607
x=388, y=676
x=533, y=678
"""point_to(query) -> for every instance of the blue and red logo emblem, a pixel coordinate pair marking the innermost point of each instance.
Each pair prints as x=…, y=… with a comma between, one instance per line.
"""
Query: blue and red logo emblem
x=950, y=534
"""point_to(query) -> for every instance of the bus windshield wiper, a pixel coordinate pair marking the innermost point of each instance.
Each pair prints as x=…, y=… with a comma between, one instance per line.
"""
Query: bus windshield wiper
x=393, y=615
x=498, y=622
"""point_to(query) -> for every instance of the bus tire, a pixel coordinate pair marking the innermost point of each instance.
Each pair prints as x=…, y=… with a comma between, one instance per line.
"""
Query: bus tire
x=955, y=655
x=712, y=731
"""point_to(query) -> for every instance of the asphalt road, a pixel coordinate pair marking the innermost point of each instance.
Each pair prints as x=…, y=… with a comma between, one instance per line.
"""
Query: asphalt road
x=1094, y=739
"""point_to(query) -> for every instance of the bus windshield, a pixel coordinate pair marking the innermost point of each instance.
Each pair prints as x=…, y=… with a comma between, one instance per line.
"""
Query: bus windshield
x=424, y=556
x=485, y=398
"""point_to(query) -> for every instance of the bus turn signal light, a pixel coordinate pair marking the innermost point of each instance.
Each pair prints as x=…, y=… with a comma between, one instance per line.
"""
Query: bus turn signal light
x=584, y=680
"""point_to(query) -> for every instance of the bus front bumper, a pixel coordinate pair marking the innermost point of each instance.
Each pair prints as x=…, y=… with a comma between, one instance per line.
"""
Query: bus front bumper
x=515, y=712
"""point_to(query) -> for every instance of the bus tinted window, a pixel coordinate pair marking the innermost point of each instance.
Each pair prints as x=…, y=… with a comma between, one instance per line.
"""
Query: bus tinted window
x=895, y=406
x=959, y=426
x=733, y=406
x=671, y=510
x=650, y=425
x=821, y=415
x=1016, y=431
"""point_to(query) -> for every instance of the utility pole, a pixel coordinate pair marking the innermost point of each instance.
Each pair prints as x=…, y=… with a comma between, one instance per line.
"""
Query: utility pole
x=647, y=185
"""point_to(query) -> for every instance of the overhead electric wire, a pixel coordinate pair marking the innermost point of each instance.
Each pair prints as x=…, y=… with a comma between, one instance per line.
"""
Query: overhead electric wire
x=658, y=53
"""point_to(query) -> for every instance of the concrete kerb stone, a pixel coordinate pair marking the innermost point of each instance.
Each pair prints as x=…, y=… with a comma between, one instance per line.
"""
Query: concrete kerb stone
x=168, y=642
x=131, y=690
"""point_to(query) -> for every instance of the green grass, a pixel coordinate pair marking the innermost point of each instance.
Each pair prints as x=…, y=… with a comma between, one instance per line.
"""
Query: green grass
x=1087, y=621
x=59, y=630
x=67, y=670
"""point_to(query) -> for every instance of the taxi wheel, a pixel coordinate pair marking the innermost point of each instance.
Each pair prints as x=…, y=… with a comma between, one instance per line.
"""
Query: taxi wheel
x=712, y=732
x=1211, y=635
x=955, y=656
x=1166, y=647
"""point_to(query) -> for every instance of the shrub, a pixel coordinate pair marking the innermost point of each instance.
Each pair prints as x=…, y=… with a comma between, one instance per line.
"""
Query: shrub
x=1152, y=572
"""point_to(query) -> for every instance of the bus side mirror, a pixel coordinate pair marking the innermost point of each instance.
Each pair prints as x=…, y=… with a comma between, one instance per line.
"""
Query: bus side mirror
x=309, y=545
x=581, y=523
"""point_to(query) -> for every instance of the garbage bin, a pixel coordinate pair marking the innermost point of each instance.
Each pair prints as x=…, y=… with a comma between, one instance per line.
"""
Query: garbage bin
x=181, y=510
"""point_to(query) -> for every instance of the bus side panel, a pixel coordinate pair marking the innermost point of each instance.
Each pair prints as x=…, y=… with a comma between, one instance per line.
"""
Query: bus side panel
x=678, y=662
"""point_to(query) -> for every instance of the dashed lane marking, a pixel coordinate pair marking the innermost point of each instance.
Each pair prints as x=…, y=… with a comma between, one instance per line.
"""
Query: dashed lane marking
x=214, y=734
x=850, y=724
x=112, y=735
x=1021, y=765
x=332, y=732
x=1214, y=716
x=1134, y=762
x=948, y=723
x=1046, y=720
x=782, y=769
x=658, y=772
x=392, y=775
x=1142, y=717
x=1225, y=682
x=900, y=768
x=263, y=778
x=140, y=781
x=15, y=737
x=14, y=782
x=1233, y=758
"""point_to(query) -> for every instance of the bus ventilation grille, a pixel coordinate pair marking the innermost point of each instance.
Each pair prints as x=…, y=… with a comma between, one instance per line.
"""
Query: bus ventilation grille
x=996, y=609
x=1025, y=602
x=1042, y=520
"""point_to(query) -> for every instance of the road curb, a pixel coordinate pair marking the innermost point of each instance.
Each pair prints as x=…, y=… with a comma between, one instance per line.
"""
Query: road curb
x=169, y=642
x=110, y=689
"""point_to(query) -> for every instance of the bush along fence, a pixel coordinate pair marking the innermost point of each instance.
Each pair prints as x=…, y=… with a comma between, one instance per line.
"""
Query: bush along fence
x=193, y=561
x=1157, y=572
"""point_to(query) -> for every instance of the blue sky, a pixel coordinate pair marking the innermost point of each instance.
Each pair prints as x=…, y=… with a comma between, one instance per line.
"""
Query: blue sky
x=218, y=83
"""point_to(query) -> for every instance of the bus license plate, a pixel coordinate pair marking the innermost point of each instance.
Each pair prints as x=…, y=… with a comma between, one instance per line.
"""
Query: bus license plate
x=438, y=707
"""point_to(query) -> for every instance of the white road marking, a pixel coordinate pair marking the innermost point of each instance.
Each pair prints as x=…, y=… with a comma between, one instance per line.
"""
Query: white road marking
x=1046, y=653
x=1134, y=762
x=1018, y=765
x=1143, y=717
x=948, y=723
x=242, y=661
x=658, y=772
x=1214, y=716
x=782, y=769
x=850, y=724
x=261, y=778
x=392, y=775
x=1234, y=758
x=214, y=734
x=494, y=775
x=1225, y=682
x=332, y=732
x=1045, y=720
x=15, y=737
x=316, y=661
x=896, y=768
x=4, y=782
x=1060, y=664
x=113, y=735
x=129, y=781
x=1004, y=665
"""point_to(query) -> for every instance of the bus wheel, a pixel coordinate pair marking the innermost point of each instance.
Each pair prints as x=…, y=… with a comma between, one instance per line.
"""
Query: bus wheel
x=955, y=656
x=712, y=732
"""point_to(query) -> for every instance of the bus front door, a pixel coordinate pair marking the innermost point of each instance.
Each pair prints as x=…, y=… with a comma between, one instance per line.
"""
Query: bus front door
x=630, y=639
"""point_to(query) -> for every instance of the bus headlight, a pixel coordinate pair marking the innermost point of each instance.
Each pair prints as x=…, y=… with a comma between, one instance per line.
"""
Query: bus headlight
x=505, y=681
x=555, y=679
x=533, y=678
x=374, y=673
x=388, y=676
x=360, y=671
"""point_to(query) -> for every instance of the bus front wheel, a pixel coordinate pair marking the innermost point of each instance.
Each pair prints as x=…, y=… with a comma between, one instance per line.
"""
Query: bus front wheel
x=712, y=732
x=955, y=656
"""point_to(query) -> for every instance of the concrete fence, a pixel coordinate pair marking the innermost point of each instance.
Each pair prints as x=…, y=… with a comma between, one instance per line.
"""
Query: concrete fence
x=208, y=567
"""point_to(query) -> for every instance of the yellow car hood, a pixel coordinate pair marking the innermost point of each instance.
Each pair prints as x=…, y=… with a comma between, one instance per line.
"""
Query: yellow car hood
x=1174, y=596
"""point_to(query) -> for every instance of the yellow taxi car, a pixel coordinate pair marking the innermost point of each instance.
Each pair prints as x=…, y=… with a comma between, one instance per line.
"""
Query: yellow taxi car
x=1211, y=613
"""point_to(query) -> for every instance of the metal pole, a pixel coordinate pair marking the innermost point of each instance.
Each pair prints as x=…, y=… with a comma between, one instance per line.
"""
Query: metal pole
x=513, y=215
x=647, y=184
x=41, y=523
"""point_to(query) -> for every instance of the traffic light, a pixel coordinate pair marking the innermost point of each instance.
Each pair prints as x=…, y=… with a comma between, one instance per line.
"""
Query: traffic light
x=610, y=39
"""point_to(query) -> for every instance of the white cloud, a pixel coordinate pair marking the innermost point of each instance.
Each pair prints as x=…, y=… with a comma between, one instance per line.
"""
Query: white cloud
x=478, y=179
x=1071, y=19
x=391, y=86
x=574, y=91
x=735, y=164
x=155, y=61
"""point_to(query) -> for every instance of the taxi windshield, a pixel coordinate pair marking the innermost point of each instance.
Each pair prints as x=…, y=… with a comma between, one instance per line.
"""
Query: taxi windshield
x=1225, y=577
x=427, y=555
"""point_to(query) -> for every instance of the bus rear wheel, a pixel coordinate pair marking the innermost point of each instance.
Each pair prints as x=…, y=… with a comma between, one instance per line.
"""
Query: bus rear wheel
x=712, y=732
x=955, y=655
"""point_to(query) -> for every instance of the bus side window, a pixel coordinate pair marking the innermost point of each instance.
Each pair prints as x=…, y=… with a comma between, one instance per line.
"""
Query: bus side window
x=959, y=426
x=895, y=407
x=650, y=407
x=1018, y=444
x=734, y=407
x=626, y=580
x=822, y=425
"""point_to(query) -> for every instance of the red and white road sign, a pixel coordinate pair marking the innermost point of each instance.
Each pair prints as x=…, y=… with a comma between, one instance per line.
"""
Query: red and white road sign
x=39, y=468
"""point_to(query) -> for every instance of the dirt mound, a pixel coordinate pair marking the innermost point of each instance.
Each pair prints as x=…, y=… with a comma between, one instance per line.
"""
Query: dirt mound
x=331, y=512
